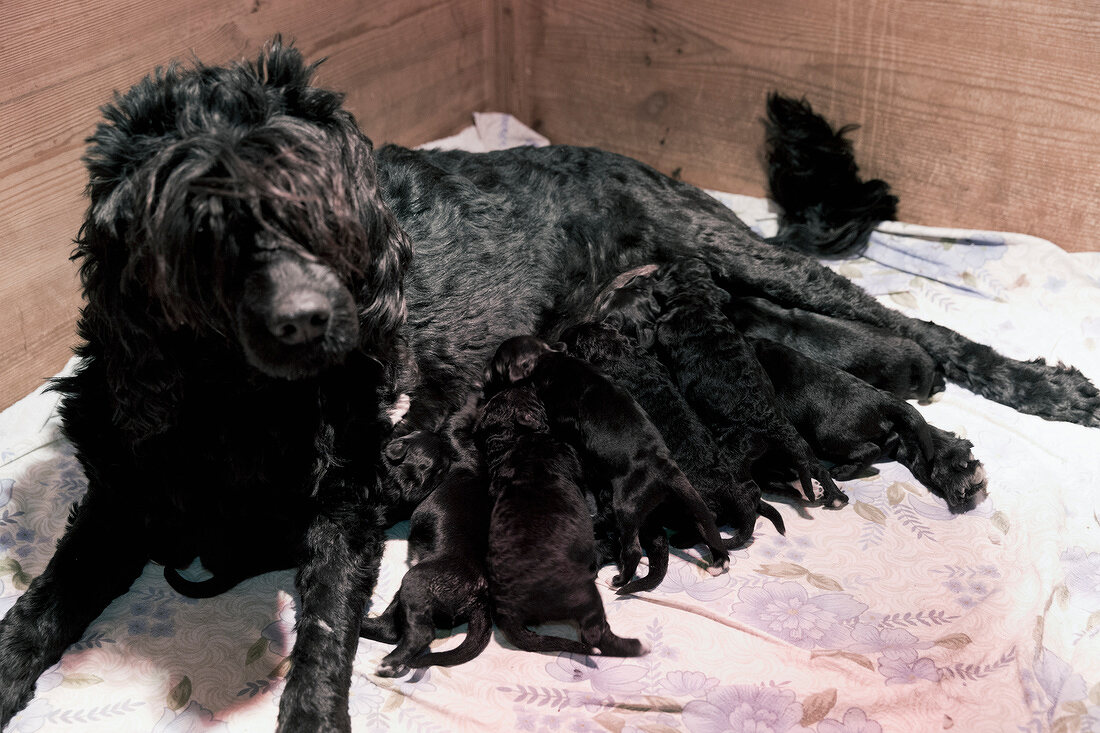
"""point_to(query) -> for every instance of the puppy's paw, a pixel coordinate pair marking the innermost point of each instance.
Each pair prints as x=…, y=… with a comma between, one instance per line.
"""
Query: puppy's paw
x=391, y=669
x=719, y=568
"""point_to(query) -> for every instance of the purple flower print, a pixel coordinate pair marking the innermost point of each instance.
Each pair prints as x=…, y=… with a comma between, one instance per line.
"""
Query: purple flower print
x=192, y=719
x=280, y=632
x=867, y=639
x=904, y=667
x=744, y=709
x=1082, y=577
x=686, y=578
x=606, y=674
x=695, y=684
x=787, y=611
x=855, y=721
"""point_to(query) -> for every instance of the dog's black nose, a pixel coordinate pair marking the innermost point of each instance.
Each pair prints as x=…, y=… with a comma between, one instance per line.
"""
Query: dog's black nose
x=300, y=318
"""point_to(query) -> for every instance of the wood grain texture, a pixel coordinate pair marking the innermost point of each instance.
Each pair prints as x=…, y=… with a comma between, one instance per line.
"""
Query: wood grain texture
x=981, y=114
x=413, y=70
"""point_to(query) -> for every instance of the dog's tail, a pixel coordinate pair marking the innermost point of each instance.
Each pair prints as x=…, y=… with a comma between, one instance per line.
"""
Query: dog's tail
x=478, y=632
x=202, y=588
x=828, y=210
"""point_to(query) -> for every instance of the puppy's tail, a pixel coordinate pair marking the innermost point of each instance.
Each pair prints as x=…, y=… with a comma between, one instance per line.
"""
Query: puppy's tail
x=704, y=521
x=478, y=632
x=767, y=511
x=828, y=210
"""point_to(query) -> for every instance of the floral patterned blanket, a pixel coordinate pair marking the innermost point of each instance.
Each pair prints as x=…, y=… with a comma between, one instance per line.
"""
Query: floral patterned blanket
x=890, y=615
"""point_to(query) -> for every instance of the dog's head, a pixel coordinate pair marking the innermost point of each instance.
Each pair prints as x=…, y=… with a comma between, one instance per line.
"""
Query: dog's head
x=514, y=361
x=236, y=207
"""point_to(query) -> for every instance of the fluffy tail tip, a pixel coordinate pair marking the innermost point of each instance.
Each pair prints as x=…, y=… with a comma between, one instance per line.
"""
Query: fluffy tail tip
x=828, y=210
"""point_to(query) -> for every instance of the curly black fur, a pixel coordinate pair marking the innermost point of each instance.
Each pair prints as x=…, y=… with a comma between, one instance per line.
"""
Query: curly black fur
x=236, y=214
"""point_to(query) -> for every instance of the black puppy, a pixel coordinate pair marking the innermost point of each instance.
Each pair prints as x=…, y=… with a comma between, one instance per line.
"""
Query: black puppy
x=888, y=361
x=447, y=543
x=625, y=450
x=705, y=464
x=844, y=419
x=541, y=557
x=717, y=371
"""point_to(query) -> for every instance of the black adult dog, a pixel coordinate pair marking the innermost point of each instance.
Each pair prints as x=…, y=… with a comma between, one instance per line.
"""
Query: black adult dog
x=542, y=554
x=625, y=455
x=252, y=300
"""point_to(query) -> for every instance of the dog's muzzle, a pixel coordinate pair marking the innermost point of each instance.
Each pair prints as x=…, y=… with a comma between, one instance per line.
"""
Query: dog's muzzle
x=295, y=318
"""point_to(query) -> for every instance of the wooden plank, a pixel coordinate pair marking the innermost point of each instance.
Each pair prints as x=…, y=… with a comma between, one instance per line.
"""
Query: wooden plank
x=983, y=114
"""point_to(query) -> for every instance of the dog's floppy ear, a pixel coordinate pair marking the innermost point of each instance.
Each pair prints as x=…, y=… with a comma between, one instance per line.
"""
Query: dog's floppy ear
x=560, y=347
x=396, y=449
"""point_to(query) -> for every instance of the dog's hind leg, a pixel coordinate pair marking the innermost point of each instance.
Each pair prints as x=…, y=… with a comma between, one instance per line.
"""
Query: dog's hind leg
x=1053, y=392
x=682, y=489
x=596, y=631
x=96, y=560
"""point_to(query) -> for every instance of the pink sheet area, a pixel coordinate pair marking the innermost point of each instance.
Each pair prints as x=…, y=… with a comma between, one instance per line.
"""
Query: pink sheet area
x=891, y=614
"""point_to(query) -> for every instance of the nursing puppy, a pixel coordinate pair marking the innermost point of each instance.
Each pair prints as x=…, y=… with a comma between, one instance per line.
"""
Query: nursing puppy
x=541, y=552
x=446, y=583
x=718, y=373
x=625, y=450
x=706, y=465
x=844, y=419
x=888, y=361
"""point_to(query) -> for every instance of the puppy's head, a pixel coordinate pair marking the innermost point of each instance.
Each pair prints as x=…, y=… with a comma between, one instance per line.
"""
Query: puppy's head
x=514, y=361
x=414, y=465
x=632, y=310
x=508, y=414
x=239, y=206
x=596, y=342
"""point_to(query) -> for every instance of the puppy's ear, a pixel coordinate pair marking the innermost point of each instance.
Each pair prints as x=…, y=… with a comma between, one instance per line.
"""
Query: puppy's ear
x=646, y=336
x=559, y=347
x=396, y=449
x=521, y=368
x=530, y=420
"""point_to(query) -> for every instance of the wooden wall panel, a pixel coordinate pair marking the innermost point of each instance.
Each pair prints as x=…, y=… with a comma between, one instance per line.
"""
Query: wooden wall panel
x=984, y=113
x=413, y=70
